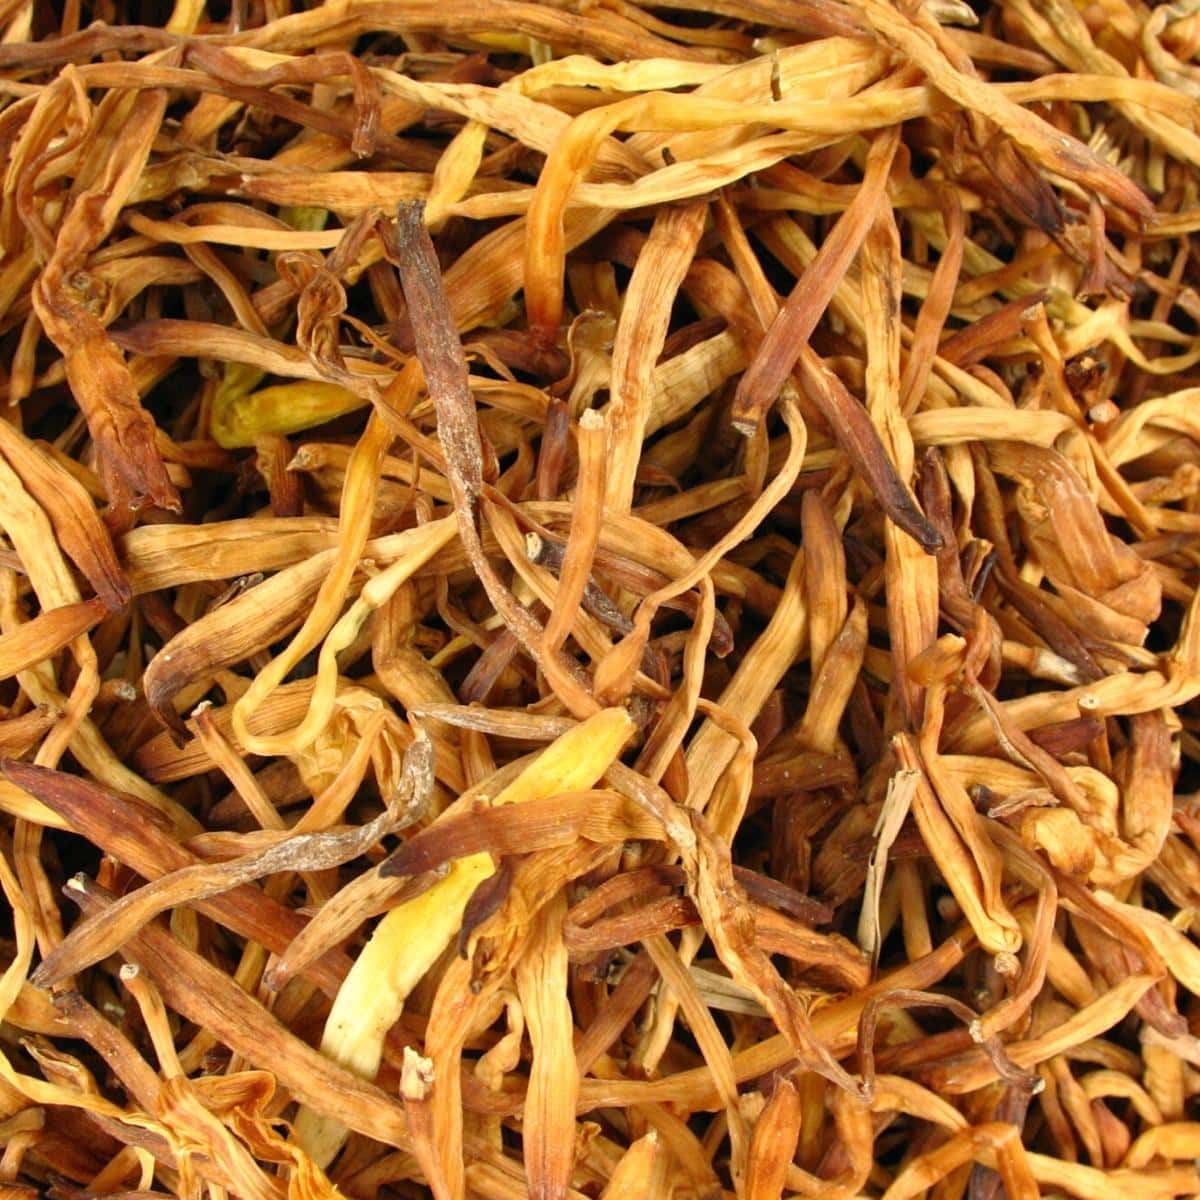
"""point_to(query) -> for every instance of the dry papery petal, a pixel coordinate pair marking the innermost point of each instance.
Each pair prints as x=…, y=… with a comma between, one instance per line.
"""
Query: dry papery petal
x=599, y=600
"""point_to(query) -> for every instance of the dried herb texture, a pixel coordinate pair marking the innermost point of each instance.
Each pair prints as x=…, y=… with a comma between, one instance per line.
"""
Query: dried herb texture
x=599, y=600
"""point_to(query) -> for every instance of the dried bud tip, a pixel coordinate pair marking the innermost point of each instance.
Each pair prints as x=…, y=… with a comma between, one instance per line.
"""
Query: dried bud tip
x=416, y=1076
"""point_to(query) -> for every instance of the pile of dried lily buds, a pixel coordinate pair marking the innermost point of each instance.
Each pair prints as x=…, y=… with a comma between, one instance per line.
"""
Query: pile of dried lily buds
x=599, y=600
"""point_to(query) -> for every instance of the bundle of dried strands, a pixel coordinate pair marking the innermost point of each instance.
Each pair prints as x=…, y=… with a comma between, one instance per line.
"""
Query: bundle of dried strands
x=599, y=600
